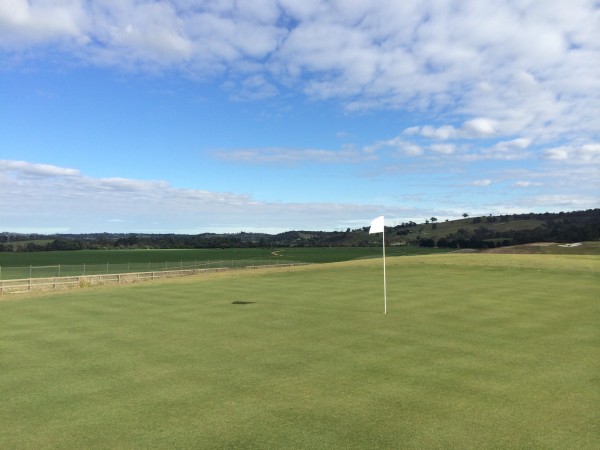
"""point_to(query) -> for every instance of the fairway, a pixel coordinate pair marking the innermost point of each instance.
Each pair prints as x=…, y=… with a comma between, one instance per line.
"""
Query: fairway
x=476, y=351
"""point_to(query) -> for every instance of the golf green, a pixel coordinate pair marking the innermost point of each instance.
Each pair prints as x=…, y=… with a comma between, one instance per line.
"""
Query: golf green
x=476, y=351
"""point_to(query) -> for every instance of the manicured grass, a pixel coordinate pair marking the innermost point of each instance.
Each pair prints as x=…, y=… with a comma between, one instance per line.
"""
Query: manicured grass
x=477, y=351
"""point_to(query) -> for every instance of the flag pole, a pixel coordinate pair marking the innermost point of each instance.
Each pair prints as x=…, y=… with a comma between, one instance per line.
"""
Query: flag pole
x=384, y=281
x=378, y=226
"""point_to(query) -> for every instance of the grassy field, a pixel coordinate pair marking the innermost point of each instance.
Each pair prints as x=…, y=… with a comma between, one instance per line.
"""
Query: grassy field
x=87, y=262
x=476, y=351
x=310, y=255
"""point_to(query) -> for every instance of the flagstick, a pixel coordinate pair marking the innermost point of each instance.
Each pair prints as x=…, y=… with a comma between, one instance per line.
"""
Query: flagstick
x=384, y=283
x=378, y=226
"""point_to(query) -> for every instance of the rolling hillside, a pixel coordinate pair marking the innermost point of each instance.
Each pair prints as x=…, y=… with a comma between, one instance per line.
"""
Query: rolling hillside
x=470, y=232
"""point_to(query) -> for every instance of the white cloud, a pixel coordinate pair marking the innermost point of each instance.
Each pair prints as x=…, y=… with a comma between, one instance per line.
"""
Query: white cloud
x=444, y=132
x=498, y=80
x=558, y=153
x=290, y=156
x=446, y=149
x=398, y=145
x=63, y=199
x=526, y=184
x=148, y=33
x=254, y=87
x=500, y=69
x=518, y=144
x=565, y=202
x=410, y=149
x=480, y=127
x=37, y=170
x=24, y=23
x=507, y=150
x=46, y=198
x=412, y=131
x=584, y=154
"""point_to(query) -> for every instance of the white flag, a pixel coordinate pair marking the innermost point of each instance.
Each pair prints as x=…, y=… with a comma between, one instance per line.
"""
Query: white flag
x=377, y=225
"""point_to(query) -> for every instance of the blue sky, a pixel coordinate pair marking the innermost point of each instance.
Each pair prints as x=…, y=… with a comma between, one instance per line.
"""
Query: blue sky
x=193, y=116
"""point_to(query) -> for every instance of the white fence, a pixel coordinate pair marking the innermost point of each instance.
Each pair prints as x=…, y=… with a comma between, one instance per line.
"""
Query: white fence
x=22, y=285
x=84, y=269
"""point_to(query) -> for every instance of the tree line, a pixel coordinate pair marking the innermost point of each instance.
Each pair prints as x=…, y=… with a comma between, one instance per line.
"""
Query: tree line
x=573, y=226
x=476, y=232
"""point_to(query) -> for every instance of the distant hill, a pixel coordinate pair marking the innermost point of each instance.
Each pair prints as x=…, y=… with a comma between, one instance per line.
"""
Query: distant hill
x=482, y=232
x=498, y=231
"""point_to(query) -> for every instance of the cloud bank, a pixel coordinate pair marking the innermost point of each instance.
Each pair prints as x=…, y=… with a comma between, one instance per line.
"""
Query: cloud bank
x=32, y=193
x=487, y=86
x=527, y=70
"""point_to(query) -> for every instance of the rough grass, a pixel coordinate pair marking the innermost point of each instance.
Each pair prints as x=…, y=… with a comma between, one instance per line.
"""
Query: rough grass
x=551, y=248
x=477, y=351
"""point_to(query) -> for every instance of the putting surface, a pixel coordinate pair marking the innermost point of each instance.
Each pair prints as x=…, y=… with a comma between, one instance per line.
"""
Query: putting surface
x=476, y=351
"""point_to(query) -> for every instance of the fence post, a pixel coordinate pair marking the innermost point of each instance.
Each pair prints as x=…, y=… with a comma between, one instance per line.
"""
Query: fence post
x=58, y=274
x=83, y=269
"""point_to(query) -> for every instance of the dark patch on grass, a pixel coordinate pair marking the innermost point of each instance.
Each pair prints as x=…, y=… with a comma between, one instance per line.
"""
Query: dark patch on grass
x=241, y=302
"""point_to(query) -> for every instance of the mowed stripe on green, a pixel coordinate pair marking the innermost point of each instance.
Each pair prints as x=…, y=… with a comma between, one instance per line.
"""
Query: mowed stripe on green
x=476, y=351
